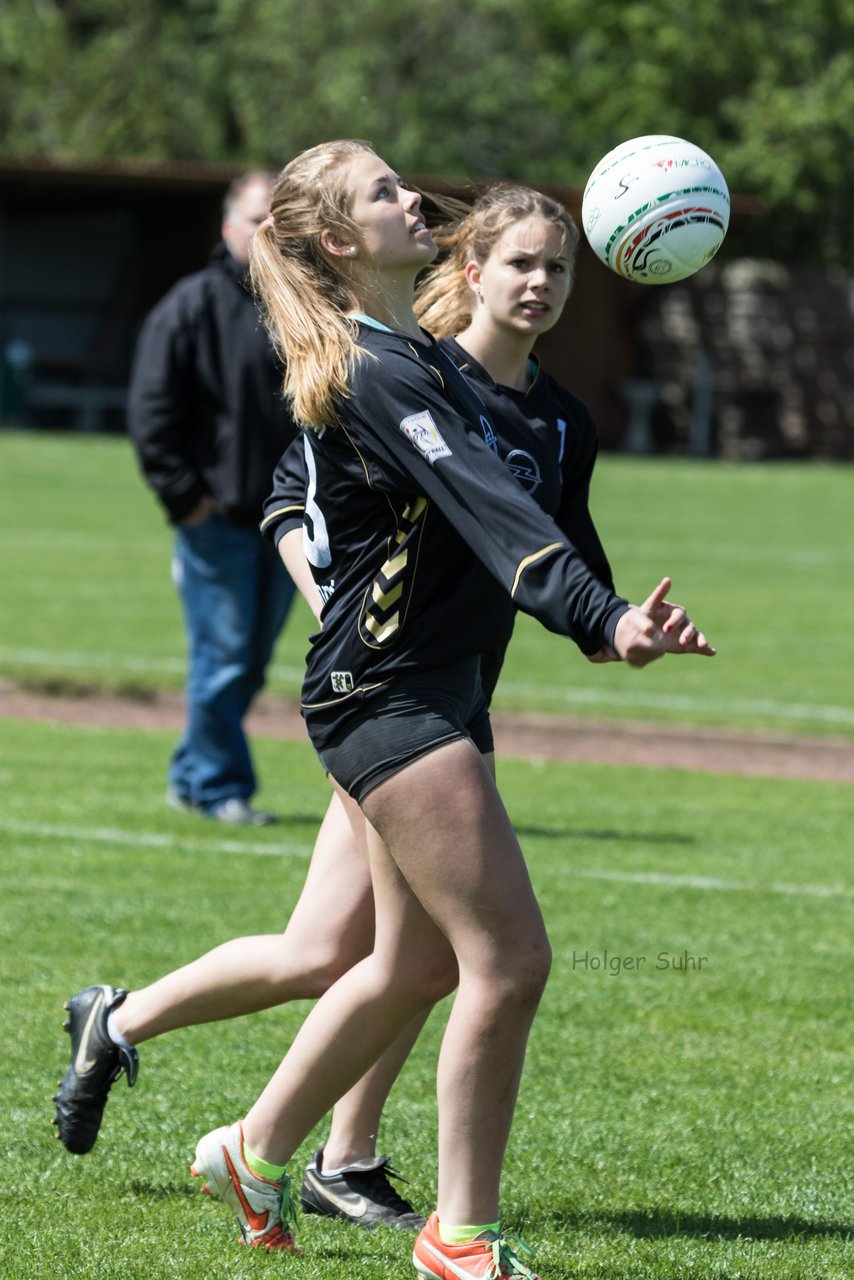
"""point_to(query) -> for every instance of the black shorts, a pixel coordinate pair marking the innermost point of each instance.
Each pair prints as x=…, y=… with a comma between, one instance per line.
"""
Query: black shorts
x=413, y=716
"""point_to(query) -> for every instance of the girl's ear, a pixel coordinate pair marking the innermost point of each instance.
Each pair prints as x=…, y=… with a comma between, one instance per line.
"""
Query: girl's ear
x=473, y=276
x=335, y=246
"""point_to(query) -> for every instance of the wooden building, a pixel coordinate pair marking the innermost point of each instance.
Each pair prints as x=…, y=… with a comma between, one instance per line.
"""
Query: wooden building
x=87, y=249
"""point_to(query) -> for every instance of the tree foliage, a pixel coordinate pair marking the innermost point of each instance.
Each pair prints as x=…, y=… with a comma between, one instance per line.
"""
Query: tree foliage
x=535, y=91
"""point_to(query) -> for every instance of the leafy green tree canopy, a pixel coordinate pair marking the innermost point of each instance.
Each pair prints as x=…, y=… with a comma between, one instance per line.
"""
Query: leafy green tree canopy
x=535, y=91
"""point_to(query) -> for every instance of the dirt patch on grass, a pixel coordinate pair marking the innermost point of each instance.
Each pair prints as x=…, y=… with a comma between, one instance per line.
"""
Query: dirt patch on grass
x=657, y=746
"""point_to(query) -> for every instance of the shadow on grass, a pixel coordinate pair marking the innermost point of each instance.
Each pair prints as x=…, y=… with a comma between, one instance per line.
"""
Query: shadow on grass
x=578, y=833
x=286, y=819
x=670, y=1222
x=162, y=1190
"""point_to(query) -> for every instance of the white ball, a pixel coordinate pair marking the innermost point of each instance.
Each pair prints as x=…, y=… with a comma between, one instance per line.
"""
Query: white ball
x=655, y=209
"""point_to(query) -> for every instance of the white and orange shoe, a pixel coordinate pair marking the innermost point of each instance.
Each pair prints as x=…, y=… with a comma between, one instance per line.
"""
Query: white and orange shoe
x=490, y=1256
x=265, y=1210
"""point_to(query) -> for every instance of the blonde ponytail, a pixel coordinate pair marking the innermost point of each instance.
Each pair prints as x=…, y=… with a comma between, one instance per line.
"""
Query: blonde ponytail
x=304, y=293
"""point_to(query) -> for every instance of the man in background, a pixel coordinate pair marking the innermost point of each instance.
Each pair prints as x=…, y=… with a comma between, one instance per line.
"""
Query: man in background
x=208, y=423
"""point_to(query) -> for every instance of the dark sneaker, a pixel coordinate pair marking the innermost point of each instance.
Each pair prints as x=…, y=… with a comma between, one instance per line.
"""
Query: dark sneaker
x=96, y=1061
x=361, y=1193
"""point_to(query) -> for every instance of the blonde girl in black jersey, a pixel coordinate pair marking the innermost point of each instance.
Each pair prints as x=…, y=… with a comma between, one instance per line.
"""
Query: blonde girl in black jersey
x=397, y=438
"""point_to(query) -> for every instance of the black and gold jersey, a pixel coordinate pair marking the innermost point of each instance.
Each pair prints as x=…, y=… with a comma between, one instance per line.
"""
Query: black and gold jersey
x=547, y=439
x=421, y=542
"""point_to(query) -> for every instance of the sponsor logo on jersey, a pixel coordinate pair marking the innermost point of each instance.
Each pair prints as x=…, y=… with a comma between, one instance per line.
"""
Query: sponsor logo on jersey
x=525, y=468
x=342, y=682
x=327, y=591
x=425, y=435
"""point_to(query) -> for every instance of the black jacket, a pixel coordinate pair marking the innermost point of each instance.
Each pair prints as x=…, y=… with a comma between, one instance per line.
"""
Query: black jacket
x=205, y=411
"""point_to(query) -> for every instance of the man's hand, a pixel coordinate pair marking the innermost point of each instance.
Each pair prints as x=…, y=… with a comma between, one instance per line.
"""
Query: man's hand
x=202, y=511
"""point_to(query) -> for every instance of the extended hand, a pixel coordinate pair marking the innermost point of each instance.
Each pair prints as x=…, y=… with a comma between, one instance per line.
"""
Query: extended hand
x=637, y=638
x=678, y=631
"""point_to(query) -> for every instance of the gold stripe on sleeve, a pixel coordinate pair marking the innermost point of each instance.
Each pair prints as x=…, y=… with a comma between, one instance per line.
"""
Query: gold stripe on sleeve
x=529, y=560
x=281, y=511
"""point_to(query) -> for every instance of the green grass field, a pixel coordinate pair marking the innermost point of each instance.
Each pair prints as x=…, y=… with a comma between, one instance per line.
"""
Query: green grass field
x=761, y=555
x=686, y=1108
x=675, y=1123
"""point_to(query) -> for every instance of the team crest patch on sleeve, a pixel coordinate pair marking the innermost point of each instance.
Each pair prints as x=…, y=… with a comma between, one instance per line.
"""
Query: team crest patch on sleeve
x=342, y=682
x=425, y=435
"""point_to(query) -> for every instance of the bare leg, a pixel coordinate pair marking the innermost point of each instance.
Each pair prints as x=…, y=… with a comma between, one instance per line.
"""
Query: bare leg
x=328, y=932
x=448, y=872
x=478, y=887
x=359, y=1017
x=356, y=1117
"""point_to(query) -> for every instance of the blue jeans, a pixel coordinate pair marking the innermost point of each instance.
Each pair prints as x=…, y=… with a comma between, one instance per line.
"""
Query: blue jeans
x=236, y=595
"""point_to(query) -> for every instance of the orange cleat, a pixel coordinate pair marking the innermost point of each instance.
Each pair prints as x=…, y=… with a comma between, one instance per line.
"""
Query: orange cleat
x=490, y=1256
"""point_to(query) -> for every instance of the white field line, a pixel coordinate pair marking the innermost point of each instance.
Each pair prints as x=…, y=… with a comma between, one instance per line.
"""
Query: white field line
x=153, y=840
x=744, y=708
x=645, y=551
x=159, y=840
x=80, y=541
x=90, y=660
x=718, y=553
x=565, y=694
x=712, y=884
